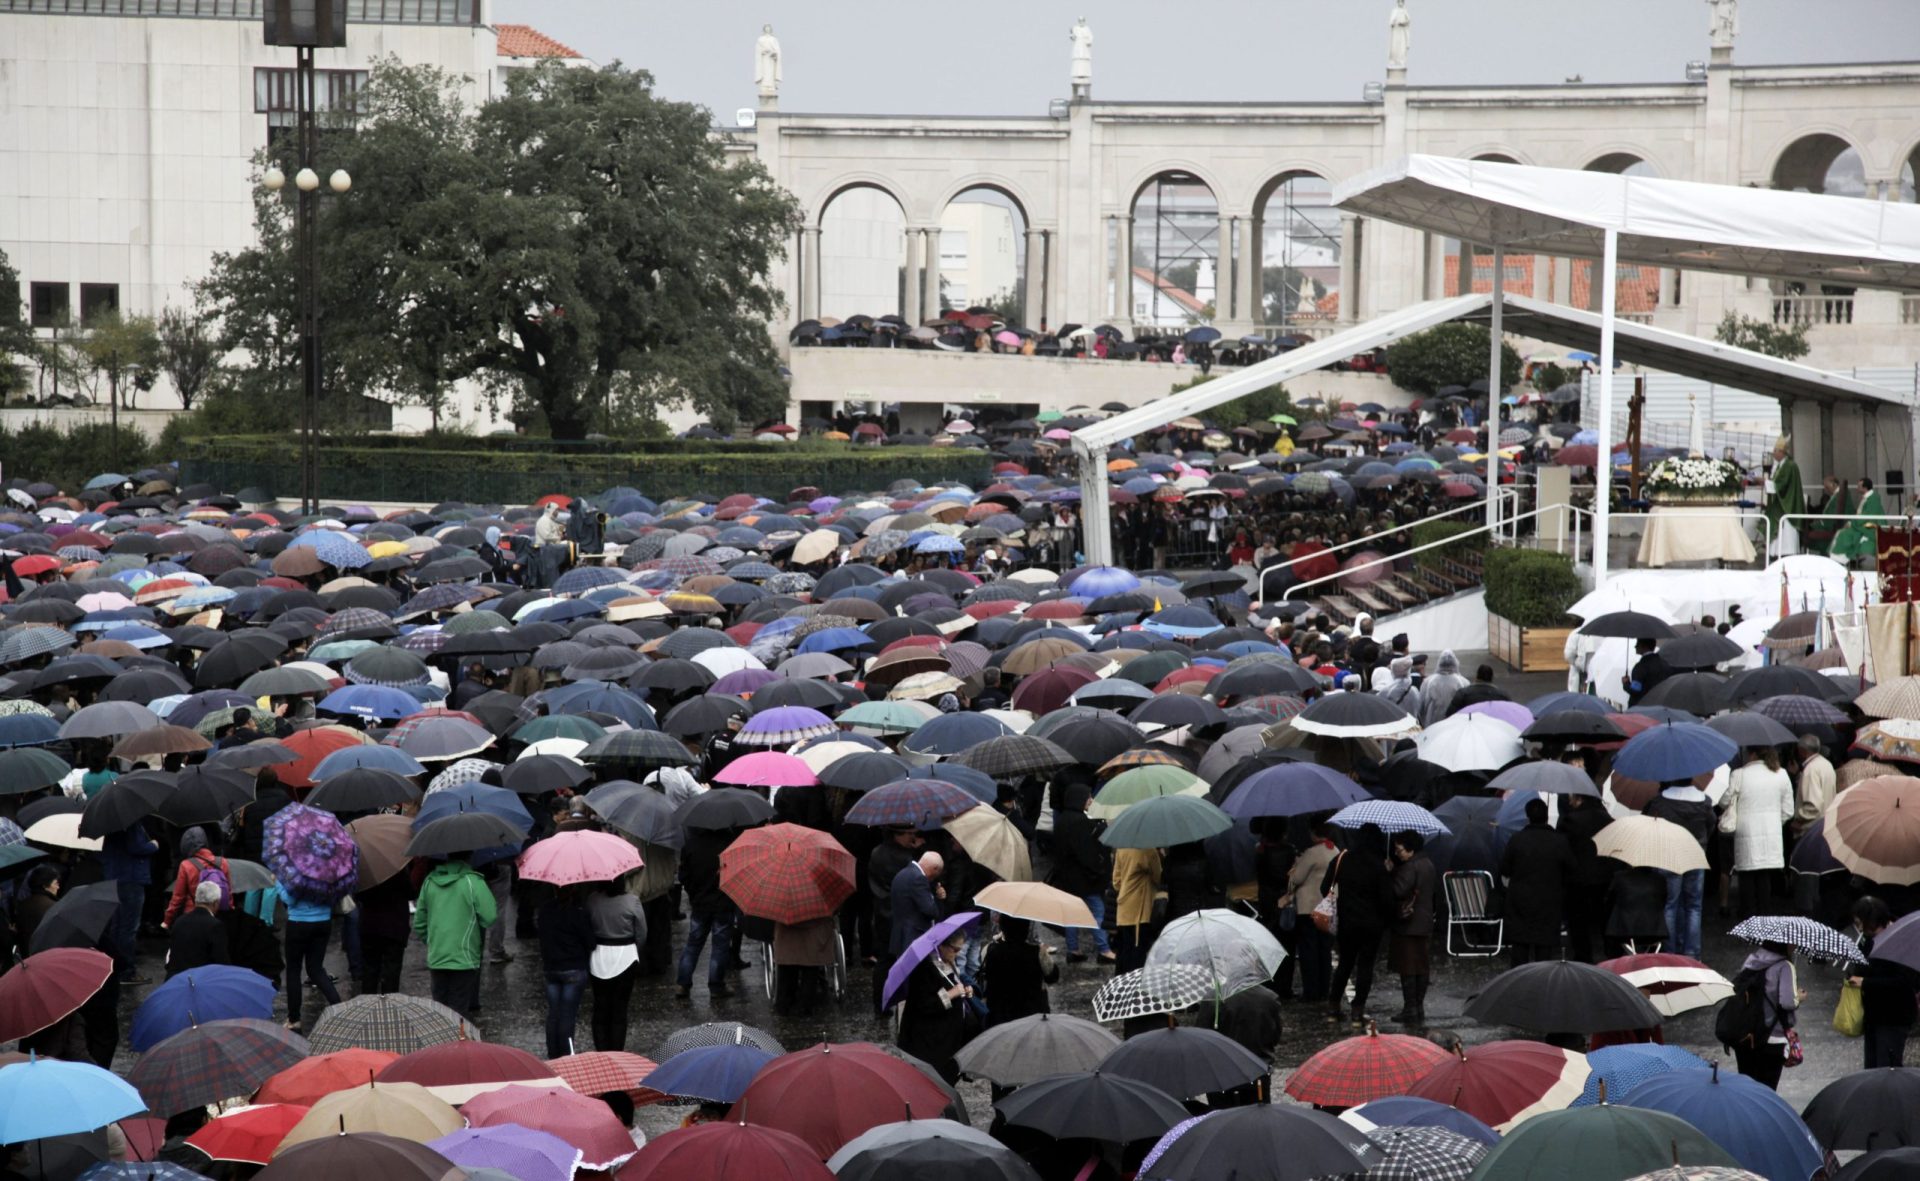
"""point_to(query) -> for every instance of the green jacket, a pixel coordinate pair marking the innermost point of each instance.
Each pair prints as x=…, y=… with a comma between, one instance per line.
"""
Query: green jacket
x=454, y=909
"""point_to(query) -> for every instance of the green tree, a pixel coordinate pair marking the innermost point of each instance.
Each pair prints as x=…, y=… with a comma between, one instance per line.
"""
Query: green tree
x=123, y=350
x=1448, y=354
x=1255, y=409
x=1786, y=341
x=185, y=350
x=17, y=343
x=1549, y=378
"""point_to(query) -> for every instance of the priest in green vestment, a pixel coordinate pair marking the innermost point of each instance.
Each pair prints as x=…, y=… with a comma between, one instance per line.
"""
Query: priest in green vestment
x=1861, y=537
x=1785, y=497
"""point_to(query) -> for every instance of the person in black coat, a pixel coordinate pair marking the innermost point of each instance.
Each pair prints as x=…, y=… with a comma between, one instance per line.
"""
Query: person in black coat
x=1536, y=865
x=1886, y=990
x=1081, y=867
x=1015, y=974
x=710, y=911
x=933, y=1021
x=1636, y=910
x=1188, y=877
x=1687, y=806
x=1364, y=906
x=197, y=938
x=1581, y=819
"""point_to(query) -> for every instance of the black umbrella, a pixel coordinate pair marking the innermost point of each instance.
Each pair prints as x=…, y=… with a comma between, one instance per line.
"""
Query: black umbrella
x=1474, y=842
x=639, y=811
x=205, y=794
x=1562, y=997
x=724, y=808
x=1267, y=676
x=123, y=802
x=79, y=918
x=1093, y=1106
x=1573, y=725
x=1699, y=650
x=1868, y=1109
x=265, y=752
x=1185, y=1062
x=865, y=771
x=1752, y=729
x=1217, y=582
x=1277, y=1143
x=34, y=811
x=1094, y=740
x=671, y=676
x=463, y=832
x=1697, y=693
x=363, y=789
x=1629, y=625
x=542, y=773
x=1781, y=680
x=699, y=716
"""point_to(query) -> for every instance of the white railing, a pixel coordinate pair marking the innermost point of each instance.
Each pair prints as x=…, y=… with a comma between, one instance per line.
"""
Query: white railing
x=1418, y=549
x=1471, y=505
x=1813, y=309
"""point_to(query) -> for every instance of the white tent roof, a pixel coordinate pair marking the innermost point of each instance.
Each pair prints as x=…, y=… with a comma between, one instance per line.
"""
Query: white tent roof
x=1683, y=224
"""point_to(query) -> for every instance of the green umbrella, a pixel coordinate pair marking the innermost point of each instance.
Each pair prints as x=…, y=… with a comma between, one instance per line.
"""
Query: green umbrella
x=475, y=621
x=1138, y=784
x=1164, y=822
x=1151, y=668
x=28, y=768
x=1602, y=1143
x=884, y=717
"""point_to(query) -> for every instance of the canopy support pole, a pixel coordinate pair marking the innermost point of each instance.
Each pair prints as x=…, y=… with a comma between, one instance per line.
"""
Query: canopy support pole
x=1603, y=471
x=1096, y=528
x=1493, y=393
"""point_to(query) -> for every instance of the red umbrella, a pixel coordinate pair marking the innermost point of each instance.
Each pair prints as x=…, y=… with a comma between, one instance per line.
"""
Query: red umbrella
x=46, y=988
x=602, y=1072
x=312, y=745
x=248, y=1135
x=725, y=1150
x=1578, y=455
x=306, y=1082
x=145, y=1134
x=1361, y=1069
x=1049, y=689
x=569, y=858
x=1674, y=984
x=787, y=873
x=1196, y=674
x=35, y=564
x=1312, y=560
x=1502, y=1083
x=458, y=1071
x=580, y=1120
x=828, y=1094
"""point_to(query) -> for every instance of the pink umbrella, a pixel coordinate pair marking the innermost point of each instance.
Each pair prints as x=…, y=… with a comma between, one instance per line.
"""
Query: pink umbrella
x=1354, y=576
x=1062, y=433
x=1511, y=712
x=767, y=768
x=1004, y=337
x=569, y=858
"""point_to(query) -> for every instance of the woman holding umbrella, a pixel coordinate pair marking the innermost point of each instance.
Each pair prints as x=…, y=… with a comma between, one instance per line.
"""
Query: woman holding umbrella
x=933, y=1019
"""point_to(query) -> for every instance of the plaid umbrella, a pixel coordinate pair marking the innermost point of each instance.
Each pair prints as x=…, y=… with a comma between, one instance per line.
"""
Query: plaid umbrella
x=393, y=1022
x=1424, y=1154
x=1143, y=992
x=311, y=853
x=787, y=873
x=921, y=802
x=1391, y=816
x=717, y=1033
x=1011, y=756
x=1797, y=709
x=1698, y=1173
x=1361, y=1069
x=214, y=1061
x=604, y=1072
x=1811, y=936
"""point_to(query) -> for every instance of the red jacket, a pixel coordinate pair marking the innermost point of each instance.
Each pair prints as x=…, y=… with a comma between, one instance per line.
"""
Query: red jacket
x=186, y=879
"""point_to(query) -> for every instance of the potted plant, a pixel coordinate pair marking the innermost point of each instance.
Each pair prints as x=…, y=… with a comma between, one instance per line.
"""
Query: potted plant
x=1683, y=479
x=1528, y=593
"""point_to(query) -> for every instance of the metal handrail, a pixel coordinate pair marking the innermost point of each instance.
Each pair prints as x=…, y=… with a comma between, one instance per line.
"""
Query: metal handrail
x=1288, y=564
x=1456, y=538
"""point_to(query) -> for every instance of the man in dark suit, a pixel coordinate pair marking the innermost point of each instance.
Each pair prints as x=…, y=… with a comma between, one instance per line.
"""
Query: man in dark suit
x=1648, y=671
x=916, y=896
x=1536, y=865
x=197, y=937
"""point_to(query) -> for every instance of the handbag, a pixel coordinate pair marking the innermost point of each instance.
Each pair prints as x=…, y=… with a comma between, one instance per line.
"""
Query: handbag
x=1794, y=1054
x=1289, y=916
x=1326, y=914
x=1850, y=1015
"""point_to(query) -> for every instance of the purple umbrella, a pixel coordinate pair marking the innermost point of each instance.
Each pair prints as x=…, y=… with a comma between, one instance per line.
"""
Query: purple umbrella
x=311, y=853
x=1510, y=712
x=743, y=682
x=919, y=950
x=527, y=1154
x=784, y=725
x=1104, y=580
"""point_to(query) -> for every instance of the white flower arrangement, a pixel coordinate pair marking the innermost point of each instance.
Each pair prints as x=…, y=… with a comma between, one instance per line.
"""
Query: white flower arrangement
x=1680, y=476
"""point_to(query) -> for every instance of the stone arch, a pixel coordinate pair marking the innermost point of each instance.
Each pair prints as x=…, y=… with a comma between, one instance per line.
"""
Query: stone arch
x=1497, y=153
x=862, y=250
x=993, y=182
x=1622, y=162
x=1172, y=253
x=984, y=246
x=1818, y=162
x=1296, y=256
x=1908, y=179
x=840, y=186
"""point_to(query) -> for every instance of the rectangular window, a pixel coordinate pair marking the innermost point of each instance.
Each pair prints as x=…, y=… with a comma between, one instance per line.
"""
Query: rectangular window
x=49, y=308
x=98, y=299
x=275, y=96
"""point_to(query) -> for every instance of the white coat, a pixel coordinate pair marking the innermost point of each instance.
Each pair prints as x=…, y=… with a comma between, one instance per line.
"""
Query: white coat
x=1757, y=805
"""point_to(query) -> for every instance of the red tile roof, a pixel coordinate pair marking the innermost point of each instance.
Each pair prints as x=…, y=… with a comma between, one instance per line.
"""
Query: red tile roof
x=1179, y=295
x=527, y=41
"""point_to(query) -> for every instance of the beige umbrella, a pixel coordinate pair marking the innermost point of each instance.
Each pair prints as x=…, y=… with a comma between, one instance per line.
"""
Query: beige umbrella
x=1897, y=698
x=1873, y=829
x=816, y=546
x=1035, y=655
x=925, y=687
x=1034, y=900
x=61, y=831
x=1860, y=770
x=345, y=582
x=993, y=841
x=407, y=1111
x=820, y=756
x=1649, y=841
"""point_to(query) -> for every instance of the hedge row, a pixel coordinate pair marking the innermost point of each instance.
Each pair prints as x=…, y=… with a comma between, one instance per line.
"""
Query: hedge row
x=68, y=458
x=424, y=473
x=1530, y=587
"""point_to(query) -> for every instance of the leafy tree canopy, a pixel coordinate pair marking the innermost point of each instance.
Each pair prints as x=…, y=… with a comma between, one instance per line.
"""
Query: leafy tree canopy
x=1786, y=341
x=1448, y=354
x=16, y=336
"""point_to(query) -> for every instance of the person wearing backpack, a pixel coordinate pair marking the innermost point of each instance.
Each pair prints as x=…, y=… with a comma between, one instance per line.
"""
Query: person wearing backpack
x=198, y=863
x=1757, y=1021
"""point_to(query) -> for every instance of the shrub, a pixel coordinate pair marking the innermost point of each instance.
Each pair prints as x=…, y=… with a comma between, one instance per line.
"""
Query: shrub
x=69, y=458
x=1448, y=354
x=1532, y=588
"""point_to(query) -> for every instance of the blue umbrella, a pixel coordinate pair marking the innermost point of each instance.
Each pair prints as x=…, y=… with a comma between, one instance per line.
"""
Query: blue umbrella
x=978, y=784
x=584, y=578
x=1104, y=580
x=1673, y=750
x=835, y=639
x=1404, y=1111
x=716, y=1074
x=198, y=995
x=949, y=734
x=473, y=797
x=27, y=730
x=47, y=1097
x=369, y=701
x=599, y=697
x=139, y=1170
x=526, y=1154
x=379, y=758
x=1390, y=816
x=1755, y=1125
x=1292, y=789
x=1553, y=703
x=916, y=953
x=940, y=543
x=1204, y=334
x=1622, y=1068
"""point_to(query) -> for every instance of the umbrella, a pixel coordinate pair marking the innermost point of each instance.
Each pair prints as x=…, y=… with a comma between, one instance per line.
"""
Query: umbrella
x=919, y=951
x=1809, y=935
x=1873, y=828
x=1404, y=1112
x=716, y=1033
x=525, y=1154
x=604, y=1072
x=308, y=1081
x=1292, y=789
x=1011, y=756
x=787, y=873
x=79, y=918
x=124, y=802
x=829, y=1094
x=1353, y=715
x=248, y=1135
x=995, y=843
x=362, y=789
x=359, y=1154
x=766, y=769
x=310, y=853
x=1650, y=841
x=1600, y=1143
x=532, y=776
x=214, y=1061
x=727, y=1149
x=723, y=808
x=1618, y=1069
x=1503, y=1083
x=1673, y=750
x=461, y=1070
x=1390, y=816
x=403, y=1110
x=1358, y=1070
x=382, y=841
x=197, y=995
x=1092, y=1105
x=463, y=832
x=1562, y=997
x=711, y=1074
x=1146, y=991
x=570, y=858
x=1185, y=1062
x=1165, y=821
x=1238, y=952
x=1015, y=1053
x=929, y=1150
x=1470, y=742
x=1886, y=1164
x=1627, y=625
x=580, y=1120
x=920, y=802
x=1425, y=1154
x=1547, y=777
x=390, y=1022
x=1266, y=1143
x=1036, y=902
x=43, y=989
x=45, y=1097
x=1868, y=1109
x=1673, y=984
x=637, y=810
x=1748, y=1119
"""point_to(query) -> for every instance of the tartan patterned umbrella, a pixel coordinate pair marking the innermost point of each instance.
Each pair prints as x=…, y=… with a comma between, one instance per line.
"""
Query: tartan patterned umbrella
x=1424, y=1154
x=1797, y=709
x=1011, y=756
x=786, y=873
x=1358, y=1070
x=1699, y=1173
x=1391, y=816
x=1139, y=756
x=393, y=1022
x=717, y=1033
x=920, y=802
x=1143, y=992
x=212, y=1062
x=604, y=1072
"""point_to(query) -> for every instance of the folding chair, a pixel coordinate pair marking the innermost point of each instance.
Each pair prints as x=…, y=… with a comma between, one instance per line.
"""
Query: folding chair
x=1467, y=895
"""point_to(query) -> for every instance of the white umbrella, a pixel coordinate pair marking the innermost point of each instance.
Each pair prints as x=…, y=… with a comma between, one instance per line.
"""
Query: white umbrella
x=816, y=546
x=1239, y=952
x=1471, y=742
x=721, y=661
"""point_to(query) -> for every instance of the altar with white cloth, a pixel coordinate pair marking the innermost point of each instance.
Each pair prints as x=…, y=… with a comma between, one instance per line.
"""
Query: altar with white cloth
x=1695, y=533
